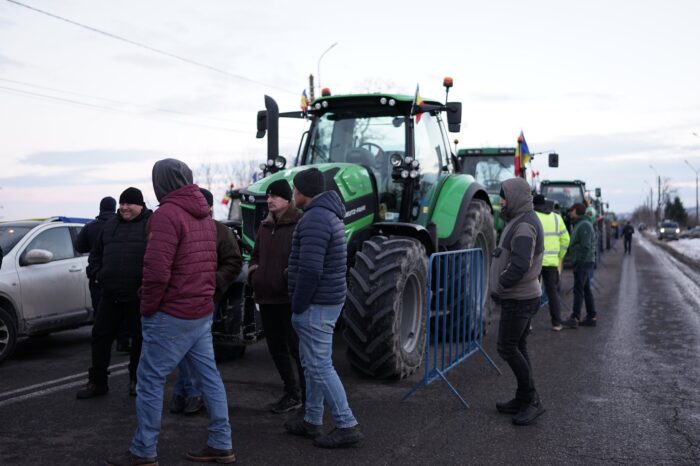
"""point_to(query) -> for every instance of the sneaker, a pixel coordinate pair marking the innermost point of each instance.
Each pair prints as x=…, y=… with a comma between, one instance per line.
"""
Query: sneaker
x=571, y=322
x=285, y=404
x=528, y=414
x=298, y=426
x=129, y=459
x=588, y=322
x=340, y=438
x=177, y=404
x=194, y=405
x=92, y=390
x=132, y=388
x=510, y=407
x=211, y=455
x=557, y=328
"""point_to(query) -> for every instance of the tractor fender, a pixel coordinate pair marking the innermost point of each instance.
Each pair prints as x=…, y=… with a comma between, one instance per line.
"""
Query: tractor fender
x=451, y=207
x=410, y=230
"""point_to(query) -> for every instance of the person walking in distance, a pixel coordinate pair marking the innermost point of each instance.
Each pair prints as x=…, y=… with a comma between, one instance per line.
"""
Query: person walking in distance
x=177, y=300
x=514, y=285
x=627, y=233
x=267, y=274
x=556, y=242
x=187, y=396
x=583, y=250
x=116, y=265
x=317, y=287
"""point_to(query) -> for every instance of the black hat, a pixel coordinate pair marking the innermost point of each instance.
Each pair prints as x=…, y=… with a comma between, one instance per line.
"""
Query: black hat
x=131, y=195
x=310, y=182
x=538, y=200
x=208, y=196
x=281, y=189
x=108, y=204
x=579, y=208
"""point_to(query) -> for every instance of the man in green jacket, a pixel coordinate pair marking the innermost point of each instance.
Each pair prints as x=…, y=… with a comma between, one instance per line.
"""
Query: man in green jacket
x=582, y=248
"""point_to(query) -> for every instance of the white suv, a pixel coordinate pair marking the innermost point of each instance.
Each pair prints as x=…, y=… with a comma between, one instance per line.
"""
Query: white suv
x=43, y=285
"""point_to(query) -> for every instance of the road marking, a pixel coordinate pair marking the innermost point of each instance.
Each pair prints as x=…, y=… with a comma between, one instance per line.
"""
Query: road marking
x=37, y=390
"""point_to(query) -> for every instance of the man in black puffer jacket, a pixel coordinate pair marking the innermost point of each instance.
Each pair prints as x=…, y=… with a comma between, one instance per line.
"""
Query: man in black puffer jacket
x=116, y=263
x=317, y=288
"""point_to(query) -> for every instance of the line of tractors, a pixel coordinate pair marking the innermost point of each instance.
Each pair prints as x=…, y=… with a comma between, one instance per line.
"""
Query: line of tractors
x=407, y=195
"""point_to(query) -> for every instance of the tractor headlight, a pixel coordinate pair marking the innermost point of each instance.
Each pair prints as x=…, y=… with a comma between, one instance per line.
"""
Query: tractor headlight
x=413, y=174
x=396, y=160
x=404, y=174
x=280, y=162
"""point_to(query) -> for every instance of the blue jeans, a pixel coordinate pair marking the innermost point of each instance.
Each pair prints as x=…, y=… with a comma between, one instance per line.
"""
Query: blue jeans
x=315, y=329
x=186, y=385
x=166, y=341
x=582, y=290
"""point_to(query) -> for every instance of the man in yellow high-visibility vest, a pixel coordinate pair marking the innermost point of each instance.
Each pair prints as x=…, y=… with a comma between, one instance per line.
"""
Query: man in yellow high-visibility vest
x=556, y=242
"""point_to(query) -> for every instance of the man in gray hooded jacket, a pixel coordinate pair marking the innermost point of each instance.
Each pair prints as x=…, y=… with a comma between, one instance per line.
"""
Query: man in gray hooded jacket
x=513, y=283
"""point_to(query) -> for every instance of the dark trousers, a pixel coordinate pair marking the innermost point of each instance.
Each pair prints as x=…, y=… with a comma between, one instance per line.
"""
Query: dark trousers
x=550, y=279
x=108, y=323
x=628, y=244
x=95, y=294
x=582, y=290
x=283, y=344
x=513, y=329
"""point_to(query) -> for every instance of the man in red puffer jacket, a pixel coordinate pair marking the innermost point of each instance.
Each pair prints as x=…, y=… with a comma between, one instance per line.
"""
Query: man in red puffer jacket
x=179, y=278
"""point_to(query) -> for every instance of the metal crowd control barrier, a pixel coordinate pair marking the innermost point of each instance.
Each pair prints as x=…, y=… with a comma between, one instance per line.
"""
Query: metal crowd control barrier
x=454, y=314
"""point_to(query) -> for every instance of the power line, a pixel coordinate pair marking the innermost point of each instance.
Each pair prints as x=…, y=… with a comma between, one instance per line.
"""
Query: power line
x=23, y=93
x=152, y=49
x=119, y=102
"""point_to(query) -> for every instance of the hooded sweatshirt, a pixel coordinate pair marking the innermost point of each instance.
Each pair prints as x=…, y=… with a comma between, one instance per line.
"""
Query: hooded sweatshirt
x=517, y=261
x=179, y=269
x=318, y=261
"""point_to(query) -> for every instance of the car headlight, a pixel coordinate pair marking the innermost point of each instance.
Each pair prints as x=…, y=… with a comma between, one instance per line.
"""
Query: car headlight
x=678, y=230
x=662, y=230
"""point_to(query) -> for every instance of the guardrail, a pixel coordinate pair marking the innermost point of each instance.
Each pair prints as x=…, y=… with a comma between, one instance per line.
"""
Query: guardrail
x=454, y=315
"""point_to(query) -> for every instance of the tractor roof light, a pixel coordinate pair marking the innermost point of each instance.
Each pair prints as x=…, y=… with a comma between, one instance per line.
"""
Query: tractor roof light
x=383, y=100
x=447, y=82
x=324, y=104
x=317, y=106
x=392, y=102
x=326, y=92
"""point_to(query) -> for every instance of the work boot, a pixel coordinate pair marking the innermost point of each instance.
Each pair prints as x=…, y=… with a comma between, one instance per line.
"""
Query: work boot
x=298, y=426
x=588, y=322
x=92, y=390
x=194, y=405
x=285, y=404
x=129, y=459
x=177, y=404
x=510, y=407
x=340, y=438
x=528, y=413
x=211, y=455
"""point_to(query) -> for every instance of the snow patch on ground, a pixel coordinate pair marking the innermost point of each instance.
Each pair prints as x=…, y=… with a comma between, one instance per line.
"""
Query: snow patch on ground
x=689, y=247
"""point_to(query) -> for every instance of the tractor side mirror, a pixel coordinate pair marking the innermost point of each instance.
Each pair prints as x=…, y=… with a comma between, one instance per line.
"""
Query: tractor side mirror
x=554, y=159
x=262, y=124
x=454, y=116
x=597, y=192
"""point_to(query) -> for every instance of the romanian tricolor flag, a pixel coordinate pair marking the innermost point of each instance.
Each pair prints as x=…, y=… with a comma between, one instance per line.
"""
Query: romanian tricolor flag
x=522, y=155
x=304, y=102
x=417, y=102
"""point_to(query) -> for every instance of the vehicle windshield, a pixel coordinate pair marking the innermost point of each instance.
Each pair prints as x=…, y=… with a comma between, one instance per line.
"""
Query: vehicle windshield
x=566, y=196
x=10, y=235
x=490, y=171
x=669, y=225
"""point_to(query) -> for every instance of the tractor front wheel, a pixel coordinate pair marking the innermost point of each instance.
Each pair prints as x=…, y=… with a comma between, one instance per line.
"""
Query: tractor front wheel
x=385, y=310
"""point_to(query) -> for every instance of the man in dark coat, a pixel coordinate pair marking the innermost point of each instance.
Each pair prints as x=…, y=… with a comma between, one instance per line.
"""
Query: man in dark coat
x=514, y=285
x=116, y=264
x=317, y=287
x=627, y=233
x=88, y=237
x=267, y=274
x=187, y=396
x=583, y=253
x=177, y=302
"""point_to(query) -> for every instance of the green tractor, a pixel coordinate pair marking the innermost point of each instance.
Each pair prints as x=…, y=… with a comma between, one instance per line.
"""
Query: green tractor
x=388, y=157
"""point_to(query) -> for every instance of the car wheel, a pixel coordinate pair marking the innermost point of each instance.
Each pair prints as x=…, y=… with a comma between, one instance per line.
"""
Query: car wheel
x=8, y=334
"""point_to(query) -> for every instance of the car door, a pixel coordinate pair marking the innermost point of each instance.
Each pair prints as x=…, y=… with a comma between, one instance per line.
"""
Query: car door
x=54, y=290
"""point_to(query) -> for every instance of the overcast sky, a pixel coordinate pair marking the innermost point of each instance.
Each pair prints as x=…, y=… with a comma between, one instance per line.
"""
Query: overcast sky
x=612, y=86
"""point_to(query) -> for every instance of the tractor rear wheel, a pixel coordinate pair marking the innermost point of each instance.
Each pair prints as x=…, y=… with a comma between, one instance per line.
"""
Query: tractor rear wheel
x=385, y=310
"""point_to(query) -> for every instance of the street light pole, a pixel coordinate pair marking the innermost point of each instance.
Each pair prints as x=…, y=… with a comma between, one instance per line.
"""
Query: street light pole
x=658, y=197
x=318, y=67
x=696, y=191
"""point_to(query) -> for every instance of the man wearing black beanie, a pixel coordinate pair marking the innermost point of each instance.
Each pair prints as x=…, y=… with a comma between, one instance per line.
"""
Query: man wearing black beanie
x=317, y=269
x=267, y=275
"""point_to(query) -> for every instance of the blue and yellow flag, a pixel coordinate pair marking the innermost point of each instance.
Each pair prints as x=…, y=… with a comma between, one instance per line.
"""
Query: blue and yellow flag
x=304, y=103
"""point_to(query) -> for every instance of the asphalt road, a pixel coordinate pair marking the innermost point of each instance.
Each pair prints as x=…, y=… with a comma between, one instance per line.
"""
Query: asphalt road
x=624, y=392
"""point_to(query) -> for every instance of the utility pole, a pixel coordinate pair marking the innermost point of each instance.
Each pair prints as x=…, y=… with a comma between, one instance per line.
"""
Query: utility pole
x=658, y=200
x=697, y=219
